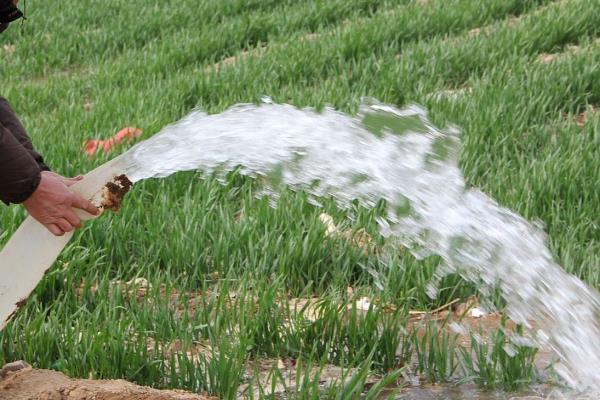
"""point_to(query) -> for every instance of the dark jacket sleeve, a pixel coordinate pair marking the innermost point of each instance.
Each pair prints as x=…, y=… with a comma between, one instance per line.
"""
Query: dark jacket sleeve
x=20, y=174
x=10, y=121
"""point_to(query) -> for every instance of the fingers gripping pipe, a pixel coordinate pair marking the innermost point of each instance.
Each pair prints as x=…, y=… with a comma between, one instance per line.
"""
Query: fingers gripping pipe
x=32, y=250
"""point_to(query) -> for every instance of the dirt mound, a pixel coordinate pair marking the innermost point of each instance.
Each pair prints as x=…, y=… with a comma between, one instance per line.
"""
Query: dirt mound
x=18, y=381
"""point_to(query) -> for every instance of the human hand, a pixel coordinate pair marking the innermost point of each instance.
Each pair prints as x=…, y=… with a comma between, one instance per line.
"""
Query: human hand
x=67, y=181
x=52, y=202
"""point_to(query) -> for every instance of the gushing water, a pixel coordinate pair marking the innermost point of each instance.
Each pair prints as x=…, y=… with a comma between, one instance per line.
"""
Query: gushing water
x=399, y=156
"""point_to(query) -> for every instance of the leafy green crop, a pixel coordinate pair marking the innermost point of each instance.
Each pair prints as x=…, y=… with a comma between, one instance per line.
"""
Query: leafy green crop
x=223, y=267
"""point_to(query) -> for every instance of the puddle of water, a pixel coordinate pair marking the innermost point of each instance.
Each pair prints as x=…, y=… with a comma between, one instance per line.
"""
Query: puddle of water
x=396, y=155
x=471, y=392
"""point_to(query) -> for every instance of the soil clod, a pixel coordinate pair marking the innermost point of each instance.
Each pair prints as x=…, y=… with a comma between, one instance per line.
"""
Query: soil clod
x=13, y=367
x=18, y=381
x=114, y=192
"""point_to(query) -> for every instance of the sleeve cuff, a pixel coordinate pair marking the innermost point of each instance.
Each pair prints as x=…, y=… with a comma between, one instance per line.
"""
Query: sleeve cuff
x=33, y=185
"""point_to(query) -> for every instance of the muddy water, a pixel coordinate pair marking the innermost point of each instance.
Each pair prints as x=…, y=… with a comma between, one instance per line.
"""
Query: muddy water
x=470, y=392
x=396, y=155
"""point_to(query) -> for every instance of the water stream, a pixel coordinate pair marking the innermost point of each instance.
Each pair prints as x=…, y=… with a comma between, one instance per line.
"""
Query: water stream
x=399, y=156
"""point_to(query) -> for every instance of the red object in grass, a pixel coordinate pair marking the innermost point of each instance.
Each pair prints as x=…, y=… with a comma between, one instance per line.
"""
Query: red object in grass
x=91, y=146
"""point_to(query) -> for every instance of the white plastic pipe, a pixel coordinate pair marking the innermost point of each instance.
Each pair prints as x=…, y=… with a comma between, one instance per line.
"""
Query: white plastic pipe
x=32, y=249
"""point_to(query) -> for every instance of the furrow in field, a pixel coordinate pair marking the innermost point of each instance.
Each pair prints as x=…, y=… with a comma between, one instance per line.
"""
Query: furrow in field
x=437, y=63
x=369, y=36
x=88, y=34
x=185, y=44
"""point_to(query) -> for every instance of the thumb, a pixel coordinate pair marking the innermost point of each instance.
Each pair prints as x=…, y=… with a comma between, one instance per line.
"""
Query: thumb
x=72, y=181
x=81, y=203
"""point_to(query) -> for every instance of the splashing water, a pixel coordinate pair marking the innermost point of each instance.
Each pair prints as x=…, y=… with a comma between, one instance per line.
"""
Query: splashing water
x=396, y=155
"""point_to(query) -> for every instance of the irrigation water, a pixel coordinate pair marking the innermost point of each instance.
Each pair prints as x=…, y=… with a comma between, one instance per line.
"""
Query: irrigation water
x=399, y=156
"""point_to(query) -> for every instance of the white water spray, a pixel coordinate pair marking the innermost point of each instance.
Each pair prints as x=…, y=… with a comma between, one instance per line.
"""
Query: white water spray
x=399, y=156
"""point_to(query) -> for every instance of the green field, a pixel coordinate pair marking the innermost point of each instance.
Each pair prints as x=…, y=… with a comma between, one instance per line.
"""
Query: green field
x=225, y=276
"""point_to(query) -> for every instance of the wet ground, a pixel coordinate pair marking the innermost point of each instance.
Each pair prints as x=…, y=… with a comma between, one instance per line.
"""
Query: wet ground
x=470, y=392
x=19, y=381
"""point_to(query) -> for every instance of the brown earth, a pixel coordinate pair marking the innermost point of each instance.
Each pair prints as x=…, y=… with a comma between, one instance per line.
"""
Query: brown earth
x=18, y=381
x=113, y=192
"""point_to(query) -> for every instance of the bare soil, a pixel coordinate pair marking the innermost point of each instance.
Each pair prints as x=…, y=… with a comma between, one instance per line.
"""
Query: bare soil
x=18, y=381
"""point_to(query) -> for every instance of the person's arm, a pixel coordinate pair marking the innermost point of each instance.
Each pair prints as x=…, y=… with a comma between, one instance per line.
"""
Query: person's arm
x=44, y=194
x=9, y=119
x=8, y=13
x=20, y=174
